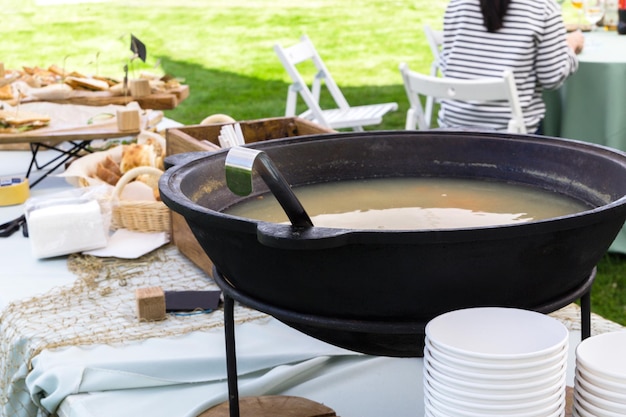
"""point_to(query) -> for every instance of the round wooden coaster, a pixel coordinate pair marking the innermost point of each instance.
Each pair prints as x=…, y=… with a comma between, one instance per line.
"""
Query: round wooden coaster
x=273, y=406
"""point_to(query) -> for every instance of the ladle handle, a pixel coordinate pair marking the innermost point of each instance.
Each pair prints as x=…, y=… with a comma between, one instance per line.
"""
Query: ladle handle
x=239, y=164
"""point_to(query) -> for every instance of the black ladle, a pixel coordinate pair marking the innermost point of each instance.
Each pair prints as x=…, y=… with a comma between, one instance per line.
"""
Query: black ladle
x=239, y=164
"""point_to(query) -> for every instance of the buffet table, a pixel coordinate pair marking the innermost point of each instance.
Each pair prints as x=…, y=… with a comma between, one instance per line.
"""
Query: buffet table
x=179, y=373
x=175, y=367
x=70, y=132
x=590, y=105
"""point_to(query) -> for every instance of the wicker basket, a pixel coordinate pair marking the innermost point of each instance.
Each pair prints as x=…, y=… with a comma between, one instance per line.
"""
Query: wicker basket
x=140, y=216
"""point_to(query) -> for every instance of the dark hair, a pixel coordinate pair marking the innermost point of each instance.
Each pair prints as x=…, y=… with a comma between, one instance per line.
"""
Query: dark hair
x=493, y=13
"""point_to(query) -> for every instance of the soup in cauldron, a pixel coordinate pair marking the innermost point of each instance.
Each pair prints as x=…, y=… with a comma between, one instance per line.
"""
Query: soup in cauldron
x=415, y=203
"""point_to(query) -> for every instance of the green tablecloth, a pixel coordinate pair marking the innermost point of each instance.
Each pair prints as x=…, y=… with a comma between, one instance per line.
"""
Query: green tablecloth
x=591, y=105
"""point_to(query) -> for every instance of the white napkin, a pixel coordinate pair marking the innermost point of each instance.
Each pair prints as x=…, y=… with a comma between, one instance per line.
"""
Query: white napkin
x=59, y=229
x=128, y=244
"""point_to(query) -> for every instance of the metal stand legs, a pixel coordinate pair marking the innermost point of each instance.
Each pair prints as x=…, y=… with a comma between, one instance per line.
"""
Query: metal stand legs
x=585, y=315
x=231, y=355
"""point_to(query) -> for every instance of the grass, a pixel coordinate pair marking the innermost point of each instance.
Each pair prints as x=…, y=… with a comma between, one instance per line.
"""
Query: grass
x=223, y=51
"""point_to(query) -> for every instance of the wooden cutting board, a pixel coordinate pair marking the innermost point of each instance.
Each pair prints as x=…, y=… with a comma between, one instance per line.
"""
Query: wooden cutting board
x=286, y=406
x=273, y=406
x=157, y=101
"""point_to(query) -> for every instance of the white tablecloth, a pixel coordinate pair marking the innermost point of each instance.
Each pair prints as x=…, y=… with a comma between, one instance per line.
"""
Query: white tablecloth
x=184, y=375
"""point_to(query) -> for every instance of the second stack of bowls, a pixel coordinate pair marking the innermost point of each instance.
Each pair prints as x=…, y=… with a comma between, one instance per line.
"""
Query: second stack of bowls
x=600, y=382
x=495, y=361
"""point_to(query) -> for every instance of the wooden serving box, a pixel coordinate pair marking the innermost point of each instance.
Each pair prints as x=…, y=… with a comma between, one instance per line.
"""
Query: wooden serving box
x=204, y=138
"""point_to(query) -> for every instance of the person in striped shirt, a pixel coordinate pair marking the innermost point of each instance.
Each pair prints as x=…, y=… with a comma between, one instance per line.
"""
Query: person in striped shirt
x=482, y=38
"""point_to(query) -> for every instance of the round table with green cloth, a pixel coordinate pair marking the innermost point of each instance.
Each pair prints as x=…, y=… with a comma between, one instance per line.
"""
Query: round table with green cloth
x=591, y=105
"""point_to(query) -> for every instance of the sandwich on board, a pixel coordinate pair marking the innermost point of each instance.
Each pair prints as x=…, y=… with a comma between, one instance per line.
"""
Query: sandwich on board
x=12, y=121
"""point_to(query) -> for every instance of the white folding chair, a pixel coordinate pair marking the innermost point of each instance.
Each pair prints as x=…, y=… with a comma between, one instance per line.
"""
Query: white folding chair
x=435, y=41
x=481, y=89
x=344, y=116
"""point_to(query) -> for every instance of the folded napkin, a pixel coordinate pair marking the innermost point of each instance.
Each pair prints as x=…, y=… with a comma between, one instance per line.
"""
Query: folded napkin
x=128, y=244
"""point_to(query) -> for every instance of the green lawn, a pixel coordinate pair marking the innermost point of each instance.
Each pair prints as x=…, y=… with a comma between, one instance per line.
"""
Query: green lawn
x=223, y=51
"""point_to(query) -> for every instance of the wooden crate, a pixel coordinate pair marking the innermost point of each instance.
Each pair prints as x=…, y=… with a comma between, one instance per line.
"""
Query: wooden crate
x=204, y=138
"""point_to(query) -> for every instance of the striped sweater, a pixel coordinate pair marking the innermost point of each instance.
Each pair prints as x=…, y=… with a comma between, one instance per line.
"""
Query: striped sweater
x=531, y=43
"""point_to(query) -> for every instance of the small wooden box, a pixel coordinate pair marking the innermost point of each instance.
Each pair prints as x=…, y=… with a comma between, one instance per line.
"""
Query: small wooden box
x=150, y=303
x=204, y=138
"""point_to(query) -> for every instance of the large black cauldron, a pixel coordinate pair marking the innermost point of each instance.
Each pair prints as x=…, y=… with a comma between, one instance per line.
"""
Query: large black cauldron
x=395, y=281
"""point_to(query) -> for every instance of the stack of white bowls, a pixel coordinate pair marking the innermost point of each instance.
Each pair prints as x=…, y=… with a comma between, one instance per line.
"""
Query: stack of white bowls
x=492, y=361
x=600, y=382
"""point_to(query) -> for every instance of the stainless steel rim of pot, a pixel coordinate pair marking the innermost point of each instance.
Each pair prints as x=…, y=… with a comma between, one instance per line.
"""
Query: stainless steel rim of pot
x=238, y=165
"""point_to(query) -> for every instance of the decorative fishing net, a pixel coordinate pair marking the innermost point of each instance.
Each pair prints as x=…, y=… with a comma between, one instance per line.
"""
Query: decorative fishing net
x=100, y=307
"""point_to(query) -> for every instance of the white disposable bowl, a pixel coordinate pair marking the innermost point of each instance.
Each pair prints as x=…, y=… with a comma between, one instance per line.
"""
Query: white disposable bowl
x=599, y=391
x=603, y=355
x=497, y=333
x=478, y=387
x=495, y=367
x=599, y=402
x=494, y=397
x=493, y=405
x=593, y=409
x=432, y=411
x=503, y=378
x=553, y=409
x=579, y=411
x=599, y=381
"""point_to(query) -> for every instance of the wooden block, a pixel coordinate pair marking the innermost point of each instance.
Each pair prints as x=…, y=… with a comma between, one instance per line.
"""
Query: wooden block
x=150, y=303
x=272, y=406
x=128, y=120
x=140, y=87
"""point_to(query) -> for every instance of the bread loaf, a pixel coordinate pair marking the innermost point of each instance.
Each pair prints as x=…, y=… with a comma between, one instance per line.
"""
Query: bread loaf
x=6, y=92
x=110, y=164
x=106, y=174
x=136, y=155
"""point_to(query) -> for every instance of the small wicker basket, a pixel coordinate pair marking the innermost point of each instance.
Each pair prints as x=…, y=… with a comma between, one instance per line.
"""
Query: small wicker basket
x=140, y=216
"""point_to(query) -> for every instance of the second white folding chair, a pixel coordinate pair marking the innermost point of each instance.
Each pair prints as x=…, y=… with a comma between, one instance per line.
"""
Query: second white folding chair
x=344, y=116
x=482, y=89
